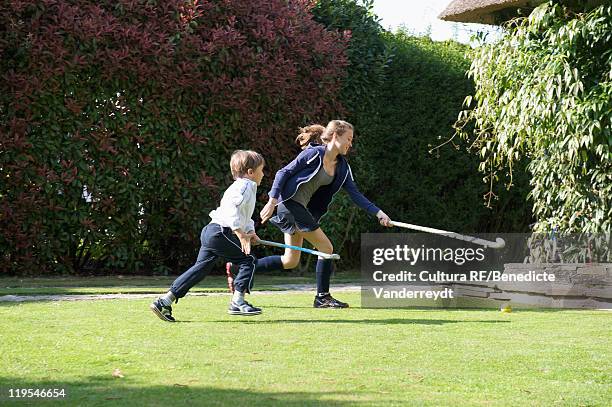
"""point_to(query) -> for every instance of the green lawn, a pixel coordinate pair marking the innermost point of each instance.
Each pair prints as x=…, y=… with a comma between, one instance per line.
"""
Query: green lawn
x=144, y=284
x=294, y=355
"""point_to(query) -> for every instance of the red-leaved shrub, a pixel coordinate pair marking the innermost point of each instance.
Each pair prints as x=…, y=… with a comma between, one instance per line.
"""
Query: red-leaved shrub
x=117, y=119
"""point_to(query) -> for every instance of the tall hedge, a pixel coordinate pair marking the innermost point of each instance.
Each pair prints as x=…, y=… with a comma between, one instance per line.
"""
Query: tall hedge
x=403, y=94
x=117, y=119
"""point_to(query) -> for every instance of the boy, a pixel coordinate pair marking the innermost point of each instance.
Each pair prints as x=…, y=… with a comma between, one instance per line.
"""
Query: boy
x=228, y=235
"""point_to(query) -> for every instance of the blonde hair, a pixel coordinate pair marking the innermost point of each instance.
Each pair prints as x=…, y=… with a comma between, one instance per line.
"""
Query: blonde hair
x=322, y=134
x=243, y=160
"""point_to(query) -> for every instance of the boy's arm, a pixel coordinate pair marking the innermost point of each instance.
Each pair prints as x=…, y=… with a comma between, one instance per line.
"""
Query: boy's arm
x=245, y=203
x=245, y=240
x=237, y=210
x=249, y=201
x=250, y=226
x=233, y=211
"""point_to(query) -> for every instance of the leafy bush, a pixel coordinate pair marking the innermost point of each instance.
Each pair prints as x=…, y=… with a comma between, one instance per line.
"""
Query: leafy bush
x=418, y=105
x=403, y=93
x=544, y=94
x=117, y=119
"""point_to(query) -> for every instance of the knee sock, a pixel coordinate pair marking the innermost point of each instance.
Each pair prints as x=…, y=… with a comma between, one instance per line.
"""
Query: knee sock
x=167, y=299
x=270, y=263
x=238, y=297
x=324, y=272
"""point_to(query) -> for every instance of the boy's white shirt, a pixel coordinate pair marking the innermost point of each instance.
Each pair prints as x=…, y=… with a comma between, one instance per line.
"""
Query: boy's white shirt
x=237, y=206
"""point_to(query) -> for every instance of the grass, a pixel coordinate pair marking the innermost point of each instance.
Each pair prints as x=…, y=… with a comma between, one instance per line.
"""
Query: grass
x=294, y=355
x=143, y=284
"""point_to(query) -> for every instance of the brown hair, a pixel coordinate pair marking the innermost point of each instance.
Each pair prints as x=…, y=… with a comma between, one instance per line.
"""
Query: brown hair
x=243, y=160
x=321, y=134
x=308, y=133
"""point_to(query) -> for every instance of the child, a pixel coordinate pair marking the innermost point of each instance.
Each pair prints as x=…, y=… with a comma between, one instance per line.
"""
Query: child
x=302, y=192
x=228, y=235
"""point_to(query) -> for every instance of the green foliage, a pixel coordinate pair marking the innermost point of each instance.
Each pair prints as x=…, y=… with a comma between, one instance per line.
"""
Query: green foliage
x=417, y=107
x=544, y=94
x=402, y=94
x=367, y=52
x=117, y=121
x=369, y=58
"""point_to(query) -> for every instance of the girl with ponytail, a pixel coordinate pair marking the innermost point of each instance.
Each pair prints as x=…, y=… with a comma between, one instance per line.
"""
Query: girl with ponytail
x=301, y=194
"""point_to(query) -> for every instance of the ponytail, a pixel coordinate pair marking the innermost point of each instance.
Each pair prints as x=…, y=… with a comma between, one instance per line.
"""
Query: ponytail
x=309, y=134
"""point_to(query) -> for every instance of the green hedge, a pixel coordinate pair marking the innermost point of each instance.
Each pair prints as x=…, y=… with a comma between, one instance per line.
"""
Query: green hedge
x=117, y=120
x=403, y=94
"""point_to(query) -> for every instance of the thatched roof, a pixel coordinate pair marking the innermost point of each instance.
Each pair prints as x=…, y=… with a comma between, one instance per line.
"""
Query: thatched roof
x=484, y=11
x=496, y=11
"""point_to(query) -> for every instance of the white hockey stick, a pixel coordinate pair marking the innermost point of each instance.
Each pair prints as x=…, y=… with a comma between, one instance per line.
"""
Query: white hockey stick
x=497, y=244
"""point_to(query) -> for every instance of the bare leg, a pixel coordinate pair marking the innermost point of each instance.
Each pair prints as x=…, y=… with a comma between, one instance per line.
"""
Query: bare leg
x=291, y=258
x=319, y=240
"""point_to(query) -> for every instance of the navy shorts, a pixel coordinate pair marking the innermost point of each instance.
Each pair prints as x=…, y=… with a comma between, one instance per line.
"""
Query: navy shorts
x=292, y=217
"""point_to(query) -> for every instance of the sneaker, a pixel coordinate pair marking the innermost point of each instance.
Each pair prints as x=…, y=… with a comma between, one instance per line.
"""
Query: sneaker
x=230, y=272
x=164, y=312
x=327, y=301
x=243, y=309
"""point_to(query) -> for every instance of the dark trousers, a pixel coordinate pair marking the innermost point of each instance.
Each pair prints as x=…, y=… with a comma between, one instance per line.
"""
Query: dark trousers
x=217, y=241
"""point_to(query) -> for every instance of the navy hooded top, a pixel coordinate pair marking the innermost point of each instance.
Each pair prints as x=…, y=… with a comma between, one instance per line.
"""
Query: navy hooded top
x=303, y=168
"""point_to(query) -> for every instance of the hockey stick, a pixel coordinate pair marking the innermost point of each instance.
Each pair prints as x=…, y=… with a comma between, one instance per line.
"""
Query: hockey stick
x=302, y=249
x=497, y=244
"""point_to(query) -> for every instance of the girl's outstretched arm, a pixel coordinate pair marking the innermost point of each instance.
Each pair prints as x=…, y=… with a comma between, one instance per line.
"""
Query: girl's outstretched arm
x=364, y=203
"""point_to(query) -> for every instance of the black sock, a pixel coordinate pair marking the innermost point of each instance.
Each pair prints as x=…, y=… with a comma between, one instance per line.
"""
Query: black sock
x=324, y=272
x=270, y=263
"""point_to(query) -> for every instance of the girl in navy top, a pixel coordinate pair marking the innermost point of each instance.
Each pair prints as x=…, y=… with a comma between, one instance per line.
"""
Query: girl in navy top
x=301, y=194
